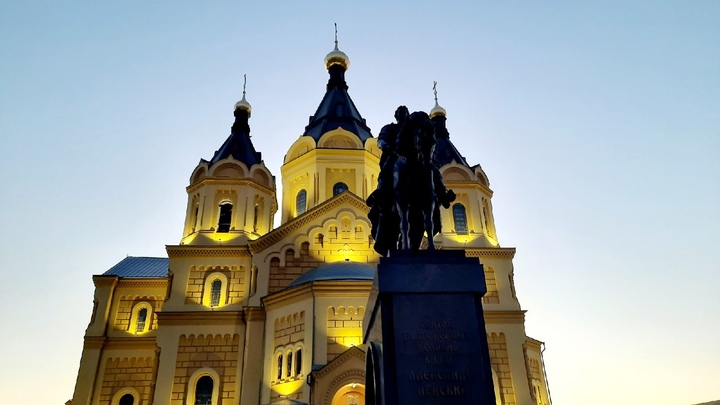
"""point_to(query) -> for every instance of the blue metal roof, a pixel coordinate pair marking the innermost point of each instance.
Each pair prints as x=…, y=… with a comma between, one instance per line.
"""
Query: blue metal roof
x=140, y=267
x=337, y=271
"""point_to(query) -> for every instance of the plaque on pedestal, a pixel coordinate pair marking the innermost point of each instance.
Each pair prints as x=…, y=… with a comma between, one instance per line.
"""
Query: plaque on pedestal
x=425, y=331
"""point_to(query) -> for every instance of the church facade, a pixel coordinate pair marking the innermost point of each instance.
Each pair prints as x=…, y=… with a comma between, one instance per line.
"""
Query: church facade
x=241, y=312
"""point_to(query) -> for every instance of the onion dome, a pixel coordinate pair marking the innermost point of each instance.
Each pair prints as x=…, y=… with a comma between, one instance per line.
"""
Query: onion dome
x=437, y=110
x=337, y=57
x=243, y=105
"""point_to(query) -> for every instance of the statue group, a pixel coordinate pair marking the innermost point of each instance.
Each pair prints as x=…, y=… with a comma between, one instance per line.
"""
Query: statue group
x=406, y=204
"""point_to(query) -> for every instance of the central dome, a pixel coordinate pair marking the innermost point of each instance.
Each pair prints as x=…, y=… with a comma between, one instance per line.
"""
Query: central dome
x=345, y=271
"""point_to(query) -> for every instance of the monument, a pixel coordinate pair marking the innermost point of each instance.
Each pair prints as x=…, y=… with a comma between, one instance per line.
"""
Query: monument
x=424, y=327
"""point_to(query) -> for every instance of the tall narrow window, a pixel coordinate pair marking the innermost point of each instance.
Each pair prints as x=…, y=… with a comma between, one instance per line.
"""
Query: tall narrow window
x=256, y=214
x=127, y=399
x=289, y=364
x=339, y=188
x=204, y=390
x=298, y=362
x=225, y=217
x=301, y=202
x=195, y=216
x=279, y=367
x=215, y=289
x=460, y=219
x=141, y=318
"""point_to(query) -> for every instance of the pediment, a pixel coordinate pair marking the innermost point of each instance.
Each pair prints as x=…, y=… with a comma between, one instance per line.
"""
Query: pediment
x=342, y=210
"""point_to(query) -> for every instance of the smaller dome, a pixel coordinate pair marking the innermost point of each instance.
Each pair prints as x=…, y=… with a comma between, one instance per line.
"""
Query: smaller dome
x=437, y=110
x=338, y=271
x=243, y=105
x=337, y=57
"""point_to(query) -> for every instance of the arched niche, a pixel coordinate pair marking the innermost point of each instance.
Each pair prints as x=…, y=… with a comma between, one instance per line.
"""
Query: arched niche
x=303, y=145
x=340, y=139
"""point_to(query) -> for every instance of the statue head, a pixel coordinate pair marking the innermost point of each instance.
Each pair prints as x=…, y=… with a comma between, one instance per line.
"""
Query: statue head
x=401, y=114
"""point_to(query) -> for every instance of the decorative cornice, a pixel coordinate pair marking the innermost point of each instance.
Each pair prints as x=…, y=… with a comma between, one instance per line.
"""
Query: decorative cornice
x=105, y=281
x=143, y=283
x=534, y=343
x=228, y=182
x=341, y=289
x=253, y=314
x=207, y=251
x=94, y=342
x=497, y=317
x=200, y=318
x=296, y=223
x=491, y=253
x=129, y=343
x=287, y=294
x=469, y=184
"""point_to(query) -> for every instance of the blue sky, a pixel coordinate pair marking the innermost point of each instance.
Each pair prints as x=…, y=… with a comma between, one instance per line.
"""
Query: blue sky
x=598, y=124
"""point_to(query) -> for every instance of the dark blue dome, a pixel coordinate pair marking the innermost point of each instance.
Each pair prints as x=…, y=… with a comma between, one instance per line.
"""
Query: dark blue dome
x=345, y=271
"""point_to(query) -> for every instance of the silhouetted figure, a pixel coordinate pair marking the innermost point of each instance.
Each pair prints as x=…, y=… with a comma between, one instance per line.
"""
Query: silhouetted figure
x=405, y=205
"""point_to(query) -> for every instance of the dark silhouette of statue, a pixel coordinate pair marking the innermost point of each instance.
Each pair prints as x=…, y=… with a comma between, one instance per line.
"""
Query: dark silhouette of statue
x=405, y=205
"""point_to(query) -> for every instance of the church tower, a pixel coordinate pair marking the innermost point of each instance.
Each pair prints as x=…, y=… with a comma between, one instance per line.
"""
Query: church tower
x=231, y=197
x=335, y=153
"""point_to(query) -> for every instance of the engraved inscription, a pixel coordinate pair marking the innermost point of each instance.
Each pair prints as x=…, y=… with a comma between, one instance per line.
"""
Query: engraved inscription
x=439, y=345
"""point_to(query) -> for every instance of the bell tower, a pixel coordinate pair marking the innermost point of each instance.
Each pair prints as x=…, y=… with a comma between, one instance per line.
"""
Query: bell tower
x=231, y=197
x=336, y=153
x=469, y=222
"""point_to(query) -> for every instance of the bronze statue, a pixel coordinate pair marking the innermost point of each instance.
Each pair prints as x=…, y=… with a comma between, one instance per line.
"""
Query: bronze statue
x=404, y=206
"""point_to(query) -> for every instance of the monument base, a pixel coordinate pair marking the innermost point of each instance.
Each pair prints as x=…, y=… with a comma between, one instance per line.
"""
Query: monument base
x=425, y=331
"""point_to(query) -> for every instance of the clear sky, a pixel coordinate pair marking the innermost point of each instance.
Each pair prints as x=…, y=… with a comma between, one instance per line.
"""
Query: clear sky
x=598, y=124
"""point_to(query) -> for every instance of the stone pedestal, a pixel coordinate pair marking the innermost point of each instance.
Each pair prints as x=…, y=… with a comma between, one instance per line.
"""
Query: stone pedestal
x=425, y=331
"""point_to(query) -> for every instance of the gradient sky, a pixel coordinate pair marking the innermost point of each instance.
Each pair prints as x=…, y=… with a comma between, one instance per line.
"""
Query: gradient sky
x=598, y=125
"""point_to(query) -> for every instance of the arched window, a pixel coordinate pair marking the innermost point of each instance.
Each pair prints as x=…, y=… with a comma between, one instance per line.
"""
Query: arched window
x=301, y=202
x=141, y=318
x=195, y=216
x=460, y=219
x=339, y=187
x=279, y=366
x=298, y=362
x=215, y=290
x=289, y=370
x=204, y=390
x=225, y=218
x=127, y=399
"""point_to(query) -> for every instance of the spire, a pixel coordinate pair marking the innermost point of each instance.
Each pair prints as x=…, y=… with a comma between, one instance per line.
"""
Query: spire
x=337, y=108
x=238, y=144
x=445, y=151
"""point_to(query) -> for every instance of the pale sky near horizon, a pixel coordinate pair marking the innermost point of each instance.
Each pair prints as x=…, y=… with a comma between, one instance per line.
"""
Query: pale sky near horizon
x=598, y=124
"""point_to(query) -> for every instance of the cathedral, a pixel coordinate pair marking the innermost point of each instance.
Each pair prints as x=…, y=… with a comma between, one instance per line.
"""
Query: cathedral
x=241, y=312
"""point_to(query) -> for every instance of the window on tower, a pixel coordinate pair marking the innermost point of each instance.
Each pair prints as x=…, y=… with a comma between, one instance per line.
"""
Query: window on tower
x=298, y=362
x=460, y=219
x=215, y=290
x=127, y=399
x=225, y=218
x=339, y=188
x=204, y=390
x=141, y=318
x=301, y=202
